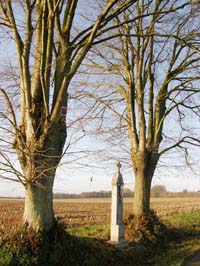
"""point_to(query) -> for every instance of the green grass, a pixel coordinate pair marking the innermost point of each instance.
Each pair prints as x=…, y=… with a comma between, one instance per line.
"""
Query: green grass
x=99, y=231
x=183, y=240
x=189, y=221
x=81, y=246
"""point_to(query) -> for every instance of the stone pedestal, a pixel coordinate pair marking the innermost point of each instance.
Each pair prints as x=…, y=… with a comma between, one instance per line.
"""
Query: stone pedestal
x=117, y=226
x=117, y=232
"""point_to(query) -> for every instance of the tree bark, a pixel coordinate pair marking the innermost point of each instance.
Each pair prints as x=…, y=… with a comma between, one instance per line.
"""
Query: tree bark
x=144, y=165
x=39, y=163
x=142, y=190
x=38, y=210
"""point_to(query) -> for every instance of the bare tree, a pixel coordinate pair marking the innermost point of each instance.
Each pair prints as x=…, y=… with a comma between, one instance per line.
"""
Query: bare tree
x=152, y=86
x=50, y=43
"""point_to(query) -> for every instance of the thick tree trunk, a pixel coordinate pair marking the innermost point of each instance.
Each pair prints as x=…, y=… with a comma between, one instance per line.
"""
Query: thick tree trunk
x=38, y=211
x=144, y=165
x=142, y=194
x=39, y=160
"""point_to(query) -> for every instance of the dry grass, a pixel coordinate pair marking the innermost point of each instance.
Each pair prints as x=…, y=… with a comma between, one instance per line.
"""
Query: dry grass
x=78, y=212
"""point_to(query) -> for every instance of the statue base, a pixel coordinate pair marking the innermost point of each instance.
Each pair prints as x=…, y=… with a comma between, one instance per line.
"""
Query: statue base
x=120, y=244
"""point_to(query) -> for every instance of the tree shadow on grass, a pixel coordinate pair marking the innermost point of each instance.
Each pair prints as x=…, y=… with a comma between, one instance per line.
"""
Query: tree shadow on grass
x=58, y=248
x=180, y=244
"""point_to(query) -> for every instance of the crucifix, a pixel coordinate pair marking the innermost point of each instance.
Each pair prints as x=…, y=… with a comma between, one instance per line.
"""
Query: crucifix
x=119, y=167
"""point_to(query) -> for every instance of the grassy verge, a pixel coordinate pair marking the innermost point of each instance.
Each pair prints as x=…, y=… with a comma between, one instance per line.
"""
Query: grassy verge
x=182, y=241
x=81, y=246
x=97, y=231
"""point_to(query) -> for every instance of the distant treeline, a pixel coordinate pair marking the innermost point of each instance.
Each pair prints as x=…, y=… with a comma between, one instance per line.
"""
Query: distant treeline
x=95, y=194
x=158, y=191
x=177, y=195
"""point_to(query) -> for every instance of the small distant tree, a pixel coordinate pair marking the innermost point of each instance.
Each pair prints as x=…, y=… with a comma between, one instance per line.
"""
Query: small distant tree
x=158, y=191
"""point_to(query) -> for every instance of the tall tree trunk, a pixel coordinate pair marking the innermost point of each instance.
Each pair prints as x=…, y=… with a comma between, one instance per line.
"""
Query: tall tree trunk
x=39, y=160
x=144, y=165
x=38, y=211
x=142, y=194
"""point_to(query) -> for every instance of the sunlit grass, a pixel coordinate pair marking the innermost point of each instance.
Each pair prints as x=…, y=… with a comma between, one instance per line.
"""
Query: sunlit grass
x=182, y=242
x=100, y=231
x=90, y=220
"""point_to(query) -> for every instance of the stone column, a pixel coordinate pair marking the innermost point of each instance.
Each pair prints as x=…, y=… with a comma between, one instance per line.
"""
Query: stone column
x=117, y=226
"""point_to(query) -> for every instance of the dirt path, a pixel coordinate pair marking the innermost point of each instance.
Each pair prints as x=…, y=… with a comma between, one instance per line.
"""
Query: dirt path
x=193, y=261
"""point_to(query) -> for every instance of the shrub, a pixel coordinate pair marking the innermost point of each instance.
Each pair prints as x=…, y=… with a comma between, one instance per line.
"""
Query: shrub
x=145, y=228
x=27, y=248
